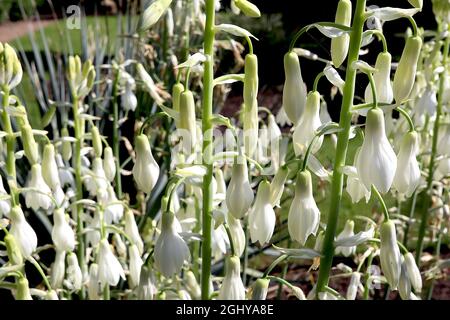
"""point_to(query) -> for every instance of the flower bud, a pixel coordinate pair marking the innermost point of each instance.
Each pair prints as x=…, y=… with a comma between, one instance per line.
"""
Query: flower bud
x=22, y=232
x=407, y=175
x=153, y=13
x=129, y=100
x=132, y=231
x=237, y=234
x=96, y=142
x=93, y=283
x=352, y=289
x=66, y=145
x=262, y=218
x=376, y=162
x=171, y=250
x=294, y=90
x=146, y=289
x=347, y=232
x=304, y=216
x=192, y=285
x=339, y=45
x=413, y=272
x=306, y=127
x=416, y=4
x=145, y=170
x=405, y=74
x=239, y=196
x=109, y=165
x=177, y=89
x=13, y=250
x=277, y=185
x=260, y=288
x=390, y=257
x=58, y=269
x=29, y=144
x=250, y=113
x=298, y=293
x=5, y=204
x=404, y=285
x=49, y=167
x=248, y=8
x=187, y=121
x=135, y=266
x=74, y=274
x=382, y=79
x=232, y=287
x=62, y=234
x=23, y=290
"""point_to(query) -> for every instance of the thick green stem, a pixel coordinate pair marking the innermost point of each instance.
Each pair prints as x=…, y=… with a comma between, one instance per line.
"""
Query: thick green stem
x=207, y=104
x=341, y=149
x=79, y=132
x=431, y=167
x=116, y=136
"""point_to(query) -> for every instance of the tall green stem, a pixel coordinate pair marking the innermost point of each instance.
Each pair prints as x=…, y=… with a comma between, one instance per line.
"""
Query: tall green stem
x=341, y=149
x=207, y=104
x=431, y=166
x=79, y=132
x=116, y=137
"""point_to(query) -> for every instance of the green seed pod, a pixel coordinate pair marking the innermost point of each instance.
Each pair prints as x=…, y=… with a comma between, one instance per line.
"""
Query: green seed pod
x=406, y=71
x=14, y=255
x=29, y=144
x=250, y=114
x=248, y=8
x=177, y=89
x=339, y=45
x=23, y=290
x=96, y=142
x=66, y=145
x=294, y=91
x=187, y=120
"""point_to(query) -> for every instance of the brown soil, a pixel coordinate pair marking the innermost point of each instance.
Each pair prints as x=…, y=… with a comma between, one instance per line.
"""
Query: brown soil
x=12, y=30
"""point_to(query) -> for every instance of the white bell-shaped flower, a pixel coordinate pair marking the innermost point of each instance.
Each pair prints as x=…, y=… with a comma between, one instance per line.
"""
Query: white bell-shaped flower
x=355, y=282
x=40, y=196
x=376, y=162
x=407, y=175
x=305, y=130
x=382, y=79
x=219, y=242
x=346, y=232
x=390, y=257
x=427, y=102
x=49, y=167
x=282, y=118
x=239, y=196
x=145, y=170
x=404, y=285
x=22, y=232
x=355, y=188
x=237, y=234
x=294, y=90
x=58, y=270
x=109, y=268
x=73, y=271
x=146, y=289
x=119, y=245
x=277, y=185
x=63, y=236
x=135, y=265
x=109, y=164
x=260, y=288
x=443, y=168
x=171, y=251
x=93, y=285
x=96, y=182
x=413, y=272
x=443, y=146
x=113, y=207
x=232, y=287
x=262, y=218
x=5, y=205
x=304, y=215
x=132, y=231
x=129, y=100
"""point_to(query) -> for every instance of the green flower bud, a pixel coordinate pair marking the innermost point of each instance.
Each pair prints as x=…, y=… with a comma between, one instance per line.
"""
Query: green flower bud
x=339, y=45
x=294, y=90
x=97, y=142
x=13, y=250
x=177, y=89
x=248, y=8
x=23, y=290
x=250, y=114
x=260, y=288
x=277, y=185
x=187, y=120
x=66, y=145
x=405, y=74
x=416, y=3
x=390, y=257
x=29, y=144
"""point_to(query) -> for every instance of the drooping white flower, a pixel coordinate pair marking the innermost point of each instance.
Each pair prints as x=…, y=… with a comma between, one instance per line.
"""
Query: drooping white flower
x=109, y=268
x=22, y=232
x=192, y=285
x=376, y=162
x=39, y=197
x=5, y=204
x=119, y=245
x=93, y=285
x=413, y=272
x=132, y=231
x=443, y=168
x=443, y=146
x=304, y=216
x=346, y=232
x=96, y=182
x=262, y=218
x=109, y=164
x=232, y=287
x=390, y=257
x=282, y=118
x=237, y=234
x=427, y=102
x=219, y=242
x=74, y=274
x=407, y=175
x=305, y=130
x=49, y=167
x=352, y=289
x=404, y=285
x=65, y=175
x=145, y=170
x=63, y=236
x=239, y=196
x=58, y=269
x=129, y=100
x=135, y=265
x=146, y=289
x=113, y=207
x=294, y=90
x=171, y=251
x=355, y=188
x=260, y=288
x=277, y=185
